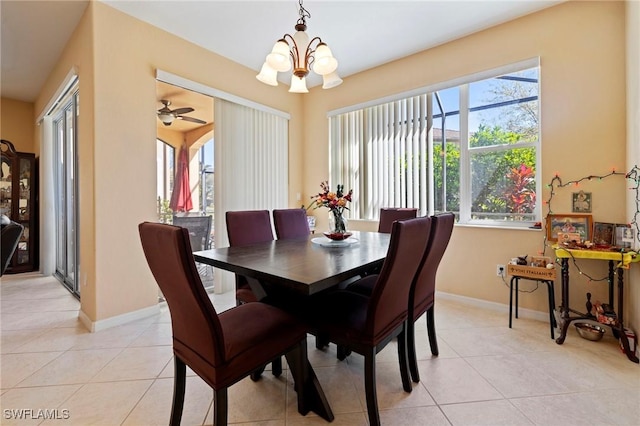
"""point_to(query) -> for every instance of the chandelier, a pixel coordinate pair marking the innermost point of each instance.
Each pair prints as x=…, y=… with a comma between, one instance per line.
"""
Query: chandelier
x=298, y=51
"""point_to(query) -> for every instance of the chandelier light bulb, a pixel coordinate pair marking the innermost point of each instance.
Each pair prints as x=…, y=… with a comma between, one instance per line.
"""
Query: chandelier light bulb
x=324, y=62
x=278, y=59
x=331, y=80
x=268, y=75
x=298, y=85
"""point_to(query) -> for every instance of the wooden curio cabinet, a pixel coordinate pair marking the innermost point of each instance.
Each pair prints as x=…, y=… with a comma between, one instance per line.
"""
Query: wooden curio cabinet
x=19, y=201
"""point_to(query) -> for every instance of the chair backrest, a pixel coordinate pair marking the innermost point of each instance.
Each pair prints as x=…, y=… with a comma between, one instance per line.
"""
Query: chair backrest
x=10, y=236
x=197, y=334
x=388, y=305
x=199, y=230
x=291, y=223
x=388, y=215
x=248, y=227
x=424, y=287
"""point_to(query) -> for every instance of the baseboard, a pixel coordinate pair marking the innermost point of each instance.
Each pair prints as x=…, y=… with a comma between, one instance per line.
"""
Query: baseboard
x=117, y=320
x=494, y=306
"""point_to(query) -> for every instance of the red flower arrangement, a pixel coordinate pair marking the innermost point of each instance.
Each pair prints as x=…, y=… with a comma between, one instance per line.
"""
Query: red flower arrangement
x=336, y=202
x=332, y=200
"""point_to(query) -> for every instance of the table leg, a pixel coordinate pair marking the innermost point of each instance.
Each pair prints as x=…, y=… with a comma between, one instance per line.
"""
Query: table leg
x=511, y=299
x=517, y=293
x=622, y=335
x=551, y=297
x=611, y=281
x=257, y=288
x=564, y=306
x=310, y=394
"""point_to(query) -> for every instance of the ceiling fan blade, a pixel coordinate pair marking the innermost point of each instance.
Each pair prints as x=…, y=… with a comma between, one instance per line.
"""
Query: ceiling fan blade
x=191, y=119
x=184, y=110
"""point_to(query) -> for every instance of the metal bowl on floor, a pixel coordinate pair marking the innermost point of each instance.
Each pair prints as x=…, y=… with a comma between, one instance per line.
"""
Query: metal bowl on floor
x=589, y=331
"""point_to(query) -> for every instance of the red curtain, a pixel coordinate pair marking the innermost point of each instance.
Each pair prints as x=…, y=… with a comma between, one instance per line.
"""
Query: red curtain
x=181, y=196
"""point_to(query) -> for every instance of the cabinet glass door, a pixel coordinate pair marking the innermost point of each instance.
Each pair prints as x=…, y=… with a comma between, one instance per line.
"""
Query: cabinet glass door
x=5, y=187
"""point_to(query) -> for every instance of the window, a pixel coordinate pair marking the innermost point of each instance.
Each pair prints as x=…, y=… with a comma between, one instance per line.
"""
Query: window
x=165, y=158
x=65, y=187
x=205, y=156
x=470, y=146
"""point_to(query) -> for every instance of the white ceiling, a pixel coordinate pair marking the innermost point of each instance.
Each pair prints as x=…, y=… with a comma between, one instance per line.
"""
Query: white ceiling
x=361, y=34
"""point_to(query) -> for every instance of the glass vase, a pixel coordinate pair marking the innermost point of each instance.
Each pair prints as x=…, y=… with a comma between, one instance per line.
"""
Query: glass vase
x=337, y=222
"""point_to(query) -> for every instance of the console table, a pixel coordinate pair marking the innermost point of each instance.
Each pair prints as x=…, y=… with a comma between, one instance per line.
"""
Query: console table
x=618, y=261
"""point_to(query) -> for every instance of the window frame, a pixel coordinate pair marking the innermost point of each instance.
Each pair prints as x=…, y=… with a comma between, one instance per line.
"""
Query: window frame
x=167, y=169
x=464, y=213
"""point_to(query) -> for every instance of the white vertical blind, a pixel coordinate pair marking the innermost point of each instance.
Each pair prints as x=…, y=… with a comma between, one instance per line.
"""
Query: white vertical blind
x=251, y=161
x=251, y=167
x=389, y=141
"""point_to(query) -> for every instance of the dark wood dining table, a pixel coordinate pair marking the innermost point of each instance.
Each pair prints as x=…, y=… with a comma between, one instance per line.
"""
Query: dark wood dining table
x=306, y=267
x=303, y=265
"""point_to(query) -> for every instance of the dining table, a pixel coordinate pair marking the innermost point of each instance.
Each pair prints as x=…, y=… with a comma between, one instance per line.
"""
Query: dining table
x=305, y=267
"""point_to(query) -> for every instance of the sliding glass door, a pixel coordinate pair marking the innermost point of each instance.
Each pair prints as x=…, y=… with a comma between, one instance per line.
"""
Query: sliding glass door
x=65, y=120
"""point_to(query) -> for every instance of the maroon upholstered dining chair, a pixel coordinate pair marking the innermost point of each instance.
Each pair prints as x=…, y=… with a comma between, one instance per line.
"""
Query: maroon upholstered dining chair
x=291, y=223
x=388, y=215
x=245, y=228
x=422, y=296
x=220, y=348
x=365, y=324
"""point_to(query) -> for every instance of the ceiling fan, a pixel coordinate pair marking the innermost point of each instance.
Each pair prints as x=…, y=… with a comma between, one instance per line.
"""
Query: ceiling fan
x=167, y=115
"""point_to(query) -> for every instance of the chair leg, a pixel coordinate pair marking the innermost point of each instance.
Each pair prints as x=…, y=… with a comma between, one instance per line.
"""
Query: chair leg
x=257, y=373
x=431, y=331
x=276, y=367
x=179, y=385
x=321, y=342
x=370, y=387
x=403, y=360
x=411, y=352
x=342, y=352
x=220, y=407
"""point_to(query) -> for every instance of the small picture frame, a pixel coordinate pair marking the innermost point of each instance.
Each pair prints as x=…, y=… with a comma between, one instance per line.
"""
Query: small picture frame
x=581, y=202
x=624, y=236
x=604, y=234
x=569, y=224
x=569, y=237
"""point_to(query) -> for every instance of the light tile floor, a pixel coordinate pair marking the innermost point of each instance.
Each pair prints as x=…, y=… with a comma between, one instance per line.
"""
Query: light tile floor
x=486, y=374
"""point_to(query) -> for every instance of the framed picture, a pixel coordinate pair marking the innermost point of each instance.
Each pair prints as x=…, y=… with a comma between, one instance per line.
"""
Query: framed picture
x=567, y=224
x=604, y=233
x=581, y=202
x=624, y=236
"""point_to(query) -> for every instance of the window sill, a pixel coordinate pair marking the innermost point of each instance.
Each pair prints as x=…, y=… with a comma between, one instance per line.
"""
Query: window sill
x=523, y=227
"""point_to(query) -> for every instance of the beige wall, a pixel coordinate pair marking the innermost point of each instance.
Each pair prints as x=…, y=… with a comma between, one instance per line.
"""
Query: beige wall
x=581, y=46
x=117, y=143
x=17, y=124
